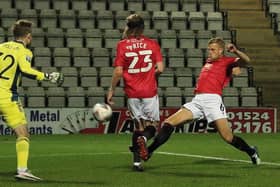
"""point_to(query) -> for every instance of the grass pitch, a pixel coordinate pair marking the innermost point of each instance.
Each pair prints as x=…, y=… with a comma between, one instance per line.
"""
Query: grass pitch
x=189, y=160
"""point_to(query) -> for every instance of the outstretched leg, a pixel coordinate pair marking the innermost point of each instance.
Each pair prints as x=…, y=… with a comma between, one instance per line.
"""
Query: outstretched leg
x=237, y=142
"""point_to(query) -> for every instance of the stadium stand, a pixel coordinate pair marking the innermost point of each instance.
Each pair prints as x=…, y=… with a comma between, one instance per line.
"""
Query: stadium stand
x=79, y=38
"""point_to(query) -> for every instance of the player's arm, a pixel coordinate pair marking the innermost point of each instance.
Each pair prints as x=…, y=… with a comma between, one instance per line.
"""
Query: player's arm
x=243, y=60
x=159, y=68
x=116, y=77
x=28, y=71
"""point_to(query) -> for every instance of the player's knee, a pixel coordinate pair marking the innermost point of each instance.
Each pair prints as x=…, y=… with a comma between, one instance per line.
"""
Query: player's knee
x=22, y=138
x=228, y=138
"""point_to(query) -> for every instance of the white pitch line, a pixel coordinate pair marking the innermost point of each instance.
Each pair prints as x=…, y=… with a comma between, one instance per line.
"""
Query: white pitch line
x=216, y=158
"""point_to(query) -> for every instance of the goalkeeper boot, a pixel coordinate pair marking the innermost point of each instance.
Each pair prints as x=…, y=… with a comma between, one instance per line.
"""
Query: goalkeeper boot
x=143, y=150
x=26, y=175
x=255, y=157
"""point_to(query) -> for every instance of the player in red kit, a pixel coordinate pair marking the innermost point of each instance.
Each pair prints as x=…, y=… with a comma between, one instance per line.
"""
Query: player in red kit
x=207, y=103
x=138, y=62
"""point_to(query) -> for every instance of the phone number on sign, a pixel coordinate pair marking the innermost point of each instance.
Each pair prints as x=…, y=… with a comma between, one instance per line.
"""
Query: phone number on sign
x=251, y=121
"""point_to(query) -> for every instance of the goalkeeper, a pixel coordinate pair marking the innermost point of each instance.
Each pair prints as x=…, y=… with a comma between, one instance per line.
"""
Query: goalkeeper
x=15, y=61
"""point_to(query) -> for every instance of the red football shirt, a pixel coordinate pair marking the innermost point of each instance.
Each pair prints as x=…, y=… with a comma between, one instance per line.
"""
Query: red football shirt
x=138, y=57
x=215, y=75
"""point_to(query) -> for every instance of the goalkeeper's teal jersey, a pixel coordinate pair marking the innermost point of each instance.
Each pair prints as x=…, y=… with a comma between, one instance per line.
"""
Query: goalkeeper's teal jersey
x=15, y=61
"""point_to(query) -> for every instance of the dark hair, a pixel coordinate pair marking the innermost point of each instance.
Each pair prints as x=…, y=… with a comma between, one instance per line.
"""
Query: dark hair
x=134, y=26
x=21, y=28
x=218, y=41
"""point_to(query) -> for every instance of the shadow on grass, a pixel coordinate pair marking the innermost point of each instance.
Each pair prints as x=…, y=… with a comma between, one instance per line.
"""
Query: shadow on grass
x=8, y=177
x=189, y=174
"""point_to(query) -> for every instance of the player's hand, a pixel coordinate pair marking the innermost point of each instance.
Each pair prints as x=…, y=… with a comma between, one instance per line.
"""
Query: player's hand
x=55, y=77
x=109, y=97
x=231, y=48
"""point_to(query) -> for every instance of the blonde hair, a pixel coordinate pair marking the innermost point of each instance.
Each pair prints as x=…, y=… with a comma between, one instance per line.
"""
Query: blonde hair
x=218, y=41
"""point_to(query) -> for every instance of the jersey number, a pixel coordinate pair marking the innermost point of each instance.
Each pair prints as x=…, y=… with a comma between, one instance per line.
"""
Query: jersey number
x=8, y=67
x=147, y=59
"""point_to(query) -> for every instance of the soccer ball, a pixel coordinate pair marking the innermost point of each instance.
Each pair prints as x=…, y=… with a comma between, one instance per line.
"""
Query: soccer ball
x=102, y=112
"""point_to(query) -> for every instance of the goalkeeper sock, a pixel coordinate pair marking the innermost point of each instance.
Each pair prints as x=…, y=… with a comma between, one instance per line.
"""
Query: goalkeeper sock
x=162, y=137
x=149, y=132
x=22, y=149
x=240, y=144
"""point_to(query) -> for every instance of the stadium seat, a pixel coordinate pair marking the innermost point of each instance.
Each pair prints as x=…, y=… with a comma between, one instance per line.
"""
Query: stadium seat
x=173, y=97
x=88, y=76
x=81, y=57
x=86, y=19
x=176, y=58
x=76, y=97
x=194, y=58
x=2, y=35
x=8, y=17
x=31, y=15
x=48, y=18
x=42, y=57
x=70, y=76
x=160, y=20
x=273, y=6
x=62, y=57
x=112, y=37
x=38, y=37
x=55, y=37
x=196, y=21
x=56, y=97
x=22, y=96
x=231, y=97
x=168, y=39
x=249, y=97
x=186, y=39
x=189, y=5
x=241, y=80
x=166, y=79
x=105, y=19
x=22, y=4
x=105, y=75
x=215, y=21
x=67, y=19
x=116, y=5
x=95, y=95
x=188, y=94
x=178, y=20
x=93, y=38
x=151, y=33
x=74, y=38
x=101, y=57
x=27, y=82
x=41, y=4
x=171, y=5
x=203, y=36
x=121, y=18
x=135, y=5
x=80, y=5
x=6, y=4
x=36, y=97
x=98, y=4
x=207, y=5
x=60, y=5
x=160, y=92
x=184, y=77
x=225, y=35
x=153, y=5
